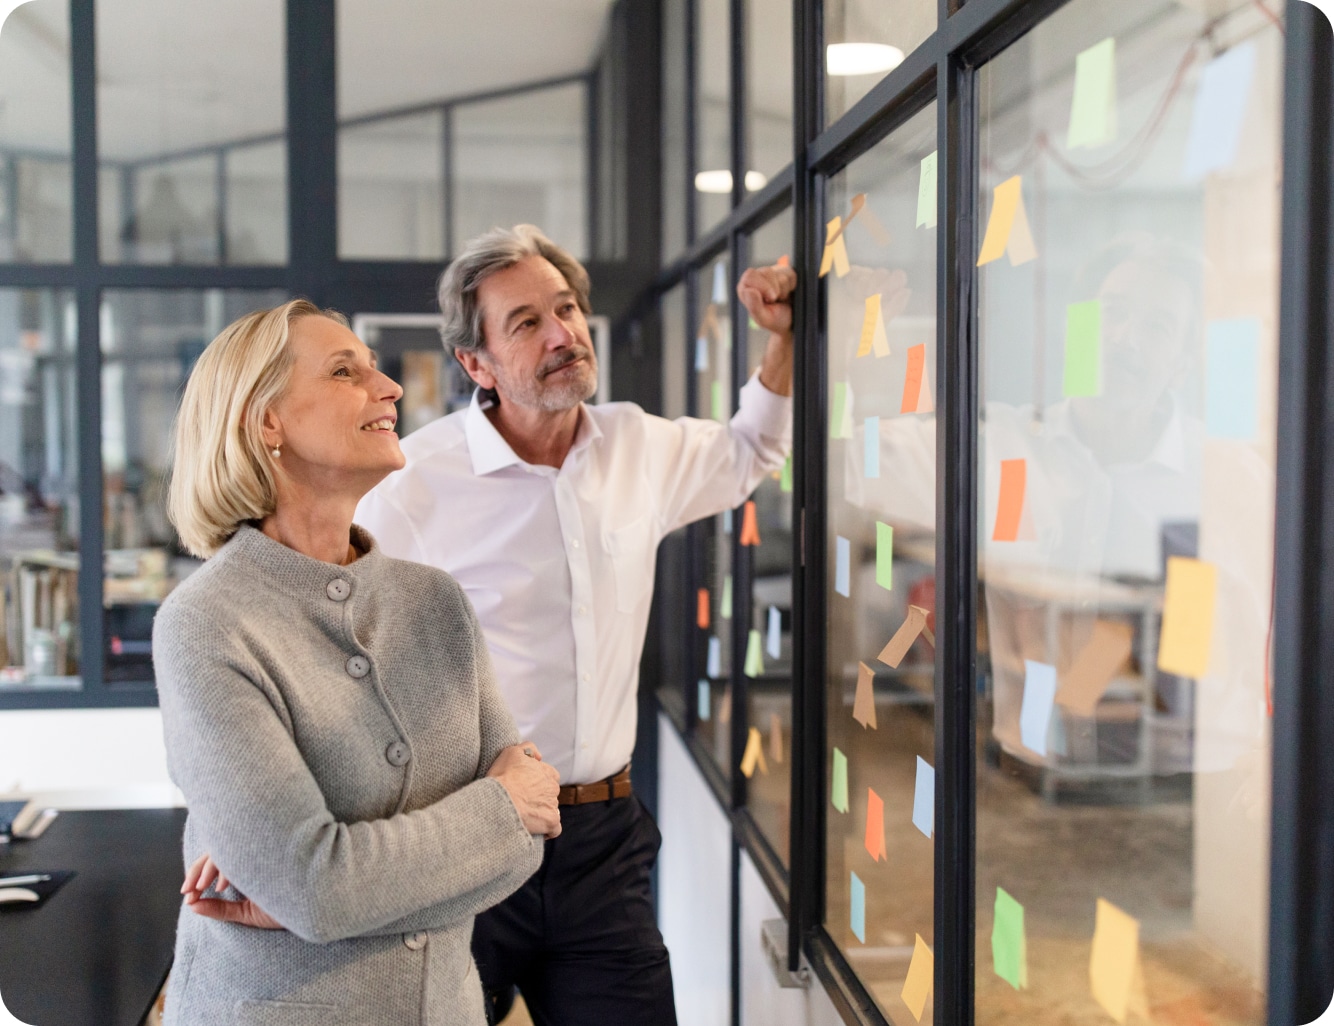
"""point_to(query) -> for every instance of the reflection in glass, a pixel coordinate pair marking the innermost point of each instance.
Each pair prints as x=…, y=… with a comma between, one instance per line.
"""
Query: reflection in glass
x=713, y=136
x=1126, y=516
x=881, y=549
x=391, y=188
x=674, y=168
x=768, y=88
x=670, y=598
x=150, y=341
x=864, y=41
x=36, y=189
x=39, y=511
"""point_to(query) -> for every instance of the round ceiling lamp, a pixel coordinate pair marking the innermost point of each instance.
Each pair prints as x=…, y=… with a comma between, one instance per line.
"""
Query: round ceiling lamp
x=844, y=59
x=719, y=182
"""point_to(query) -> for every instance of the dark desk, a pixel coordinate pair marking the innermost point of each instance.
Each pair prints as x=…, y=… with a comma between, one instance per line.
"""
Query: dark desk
x=97, y=953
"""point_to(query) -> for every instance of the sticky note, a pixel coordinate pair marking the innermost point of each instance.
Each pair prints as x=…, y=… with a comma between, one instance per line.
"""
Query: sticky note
x=1219, y=112
x=892, y=654
x=1007, y=227
x=875, y=824
x=926, y=192
x=1188, y=617
x=912, y=381
x=725, y=606
x=719, y=283
x=716, y=394
x=725, y=706
x=871, y=447
x=1009, y=947
x=873, y=335
x=874, y=226
x=840, y=417
x=1094, y=667
x=1232, y=369
x=754, y=655
x=702, y=609
x=924, y=798
x=884, y=556
x=1035, y=712
x=785, y=482
x=754, y=754
x=701, y=353
x=1083, y=349
x=704, y=700
x=1114, y=959
x=857, y=910
x=843, y=566
x=835, y=250
x=727, y=521
x=863, y=702
x=715, y=666
x=1093, y=109
x=839, y=790
x=775, y=737
x=773, y=642
x=921, y=978
x=1010, y=504
x=750, y=525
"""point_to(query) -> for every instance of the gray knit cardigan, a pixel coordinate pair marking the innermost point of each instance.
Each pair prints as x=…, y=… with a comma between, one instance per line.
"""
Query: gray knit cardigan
x=330, y=727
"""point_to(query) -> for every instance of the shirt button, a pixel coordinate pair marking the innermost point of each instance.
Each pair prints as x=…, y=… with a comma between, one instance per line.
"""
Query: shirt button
x=397, y=754
x=584, y=745
x=582, y=610
x=338, y=589
x=358, y=666
x=414, y=941
x=574, y=543
x=585, y=678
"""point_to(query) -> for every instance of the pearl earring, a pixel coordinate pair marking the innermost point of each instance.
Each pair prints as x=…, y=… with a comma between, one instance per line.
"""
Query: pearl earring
x=276, y=452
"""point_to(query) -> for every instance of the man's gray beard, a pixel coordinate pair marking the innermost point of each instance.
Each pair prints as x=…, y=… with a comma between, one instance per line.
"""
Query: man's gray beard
x=553, y=398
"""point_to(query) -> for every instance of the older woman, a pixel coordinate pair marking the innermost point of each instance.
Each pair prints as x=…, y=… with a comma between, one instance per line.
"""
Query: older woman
x=330, y=713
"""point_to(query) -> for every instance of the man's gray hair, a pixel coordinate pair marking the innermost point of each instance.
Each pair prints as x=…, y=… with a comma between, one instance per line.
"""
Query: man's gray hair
x=490, y=252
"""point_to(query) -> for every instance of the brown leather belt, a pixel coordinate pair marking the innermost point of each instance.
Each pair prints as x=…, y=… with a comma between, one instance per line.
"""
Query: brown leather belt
x=617, y=786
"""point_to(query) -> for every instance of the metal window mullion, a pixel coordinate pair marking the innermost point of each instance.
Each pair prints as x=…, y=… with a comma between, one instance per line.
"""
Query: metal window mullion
x=691, y=122
x=220, y=212
x=696, y=533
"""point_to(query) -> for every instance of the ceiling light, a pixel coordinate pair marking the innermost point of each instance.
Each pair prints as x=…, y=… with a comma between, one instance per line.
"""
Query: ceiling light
x=755, y=181
x=720, y=181
x=862, y=58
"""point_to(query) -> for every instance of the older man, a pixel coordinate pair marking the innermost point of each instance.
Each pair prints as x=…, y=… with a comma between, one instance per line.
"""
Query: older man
x=549, y=513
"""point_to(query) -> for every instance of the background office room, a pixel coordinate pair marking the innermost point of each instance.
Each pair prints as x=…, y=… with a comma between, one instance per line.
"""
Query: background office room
x=1001, y=702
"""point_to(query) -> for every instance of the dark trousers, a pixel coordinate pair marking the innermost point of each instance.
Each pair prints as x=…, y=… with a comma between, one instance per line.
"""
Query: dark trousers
x=580, y=939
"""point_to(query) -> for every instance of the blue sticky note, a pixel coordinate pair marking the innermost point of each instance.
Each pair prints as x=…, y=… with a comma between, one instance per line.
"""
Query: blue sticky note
x=924, y=798
x=774, y=642
x=1220, y=112
x=701, y=354
x=719, y=283
x=705, y=700
x=715, y=667
x=1231, y=391
x=871, y=447
x=858, y=917
x=727, y=521
x=843, y=567
x=1035, y=712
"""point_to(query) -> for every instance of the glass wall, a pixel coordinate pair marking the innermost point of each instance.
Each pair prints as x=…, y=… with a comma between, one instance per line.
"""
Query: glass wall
x=864, y=41
x=391, y=188
x=768, y=89
x=880, y=291
x=150, y=341
x=39, y=492
x=674, y=163
x=189, y=96
x=713, y=133
x=36, y=190
x=1128, y=299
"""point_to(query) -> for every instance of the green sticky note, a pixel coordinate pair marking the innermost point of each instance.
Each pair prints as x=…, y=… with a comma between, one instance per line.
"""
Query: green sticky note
x=884, y=556
x=786, y=482
x=725, y=606
x=840, y=410
x=926, y=192
x=718, y=412
x=754, y=655
x=1083, y=349
x=1093, y=112
x=840, y=789
x=1009, y=948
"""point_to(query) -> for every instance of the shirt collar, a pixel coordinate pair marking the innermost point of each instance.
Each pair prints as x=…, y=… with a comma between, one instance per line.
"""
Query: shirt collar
x=490, y=452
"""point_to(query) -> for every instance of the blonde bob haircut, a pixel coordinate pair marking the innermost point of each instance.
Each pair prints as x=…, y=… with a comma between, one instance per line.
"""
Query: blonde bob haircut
x=222, y=472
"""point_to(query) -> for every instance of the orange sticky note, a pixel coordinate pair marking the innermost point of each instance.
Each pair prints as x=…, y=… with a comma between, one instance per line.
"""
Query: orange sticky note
x=1010, y=506
x=775, y=737
x=913, y=624
x=835, y=250
x=921, y=978
x=750, y=526
x=863, y=703
x=702, y=615
x=912, y=381
x=1188, y=617
x=875, y=825
x=1007, y=227
x=1114, y=960
x=753, y=755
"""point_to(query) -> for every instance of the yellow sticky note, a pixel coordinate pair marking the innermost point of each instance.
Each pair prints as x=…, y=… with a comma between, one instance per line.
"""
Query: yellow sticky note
x=753, y=755
x=1188, y=617
x=870, y=321
x=1007, y=227
x=921, y=977
x=835, y=250
x=1114, y=960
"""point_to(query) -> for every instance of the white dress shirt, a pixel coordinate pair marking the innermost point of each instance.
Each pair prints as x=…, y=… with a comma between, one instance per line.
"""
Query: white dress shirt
x=559, y=563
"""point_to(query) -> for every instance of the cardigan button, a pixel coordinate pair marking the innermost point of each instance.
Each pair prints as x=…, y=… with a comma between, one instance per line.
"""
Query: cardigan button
x=397, y=754
x=338, y=589
x=358, y=666
x=414, y=941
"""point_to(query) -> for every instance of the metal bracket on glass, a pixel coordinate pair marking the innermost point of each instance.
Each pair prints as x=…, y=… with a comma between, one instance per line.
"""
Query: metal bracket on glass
x=773, y=938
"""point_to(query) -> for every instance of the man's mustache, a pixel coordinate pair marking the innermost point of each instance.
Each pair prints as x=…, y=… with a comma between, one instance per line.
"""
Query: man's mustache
x=564, y=360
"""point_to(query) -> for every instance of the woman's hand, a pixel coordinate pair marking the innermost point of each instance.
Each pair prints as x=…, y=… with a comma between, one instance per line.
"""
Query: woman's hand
x=533, y=787
x=203, y=874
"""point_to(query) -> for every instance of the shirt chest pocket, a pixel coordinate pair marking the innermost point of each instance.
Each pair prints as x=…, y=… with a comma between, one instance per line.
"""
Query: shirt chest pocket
x=631, y=551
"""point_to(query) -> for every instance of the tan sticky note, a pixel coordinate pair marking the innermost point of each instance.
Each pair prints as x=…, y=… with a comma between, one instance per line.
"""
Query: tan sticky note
x=913, y=624
x=775, y=738
x=1114, y=959
x=863, y=703
x=872, y=326
x=1007, y=227
x=725, y=707
x=1188, y=617
x=754, y=754
x=921, y=978
x=1094, y=667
